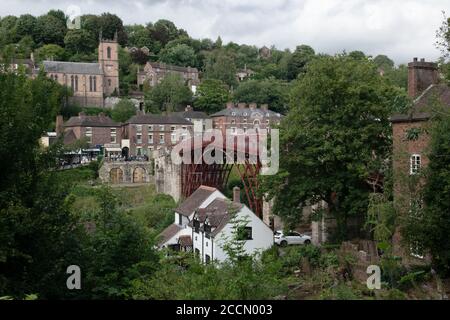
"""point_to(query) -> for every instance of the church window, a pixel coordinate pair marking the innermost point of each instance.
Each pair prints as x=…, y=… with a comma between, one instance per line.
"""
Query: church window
x=76, y=83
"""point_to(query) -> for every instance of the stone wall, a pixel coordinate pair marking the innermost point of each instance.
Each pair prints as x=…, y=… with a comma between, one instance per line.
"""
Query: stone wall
x=167, y=175
x=126, y=172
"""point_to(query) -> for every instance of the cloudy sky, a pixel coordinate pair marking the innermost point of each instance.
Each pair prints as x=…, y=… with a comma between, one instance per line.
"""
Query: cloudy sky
x=402, y=29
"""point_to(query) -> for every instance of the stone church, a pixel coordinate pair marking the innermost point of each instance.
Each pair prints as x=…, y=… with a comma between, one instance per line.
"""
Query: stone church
x=90, y=82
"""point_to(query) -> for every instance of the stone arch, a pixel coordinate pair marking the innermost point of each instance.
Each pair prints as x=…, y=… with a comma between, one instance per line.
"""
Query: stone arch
x=139, y=175
x=116, y=175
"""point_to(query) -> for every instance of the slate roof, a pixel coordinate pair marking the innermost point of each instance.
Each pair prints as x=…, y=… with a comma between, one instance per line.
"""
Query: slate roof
x=191, y=114
x=157, y=119
x=421, y=110
x=73, y=67
x=69, y=137
x=91, y=121
x=195, y=200
x=171, y=67
x=217, y=213
x=245, y=112
x=168, y=233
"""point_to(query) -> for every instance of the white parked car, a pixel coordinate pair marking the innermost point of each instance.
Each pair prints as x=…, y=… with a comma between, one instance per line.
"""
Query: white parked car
x=290, y=238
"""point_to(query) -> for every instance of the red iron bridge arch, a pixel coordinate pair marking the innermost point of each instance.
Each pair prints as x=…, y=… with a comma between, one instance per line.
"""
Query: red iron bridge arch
x=198, y=172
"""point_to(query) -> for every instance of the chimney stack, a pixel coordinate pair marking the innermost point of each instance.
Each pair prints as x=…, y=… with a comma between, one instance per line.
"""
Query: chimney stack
x=265, y=107
x=242, y=105
x=236, y=195
x=59, y=125
x=253, y=106
x=421, y=75
x=188, y=108
x=81, y=114
x=230, y=105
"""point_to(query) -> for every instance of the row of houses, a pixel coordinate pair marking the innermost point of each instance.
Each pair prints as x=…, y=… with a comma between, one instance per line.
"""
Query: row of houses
x=144, y=133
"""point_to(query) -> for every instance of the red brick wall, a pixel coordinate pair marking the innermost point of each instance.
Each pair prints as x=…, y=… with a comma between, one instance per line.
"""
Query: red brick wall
x=402, y=150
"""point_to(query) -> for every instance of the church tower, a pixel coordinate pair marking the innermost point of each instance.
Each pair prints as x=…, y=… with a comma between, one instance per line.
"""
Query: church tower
x=108, y=58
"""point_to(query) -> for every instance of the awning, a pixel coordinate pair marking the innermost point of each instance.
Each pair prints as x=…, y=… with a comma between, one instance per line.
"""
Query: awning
x=113, y=149
x=91, y=150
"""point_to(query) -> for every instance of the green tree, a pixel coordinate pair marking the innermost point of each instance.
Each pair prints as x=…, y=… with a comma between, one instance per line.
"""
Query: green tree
x=273, y=92
x=79, y=41
x=50, y=51
x=211, y=96
x=123, y=110
x=180, y=55
x=110, y=24
x=8, y=30
x=116, y=250
x=383, y=62
x=164, y=31
x=334, y=137
x=221, y=66
x=50, y=30
x=36, y=230
x=26, y=25
x=430, y=224
x=297, y=63
x=171, y=94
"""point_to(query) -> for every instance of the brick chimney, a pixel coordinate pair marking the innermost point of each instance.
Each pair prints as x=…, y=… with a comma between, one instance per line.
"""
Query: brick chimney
x=242, y=105
x=81, y=114
x=421, y=75
x=59, y=125
x=265, y=107
x=253, y=106
x=236, y=195
x=230, y=105
x=188, y=108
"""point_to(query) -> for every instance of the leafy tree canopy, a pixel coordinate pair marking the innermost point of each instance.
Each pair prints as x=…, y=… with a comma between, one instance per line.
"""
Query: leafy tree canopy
x=334, y=137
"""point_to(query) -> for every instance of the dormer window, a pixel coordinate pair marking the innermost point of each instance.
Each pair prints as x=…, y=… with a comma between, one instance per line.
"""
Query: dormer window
x=196, y=226
x=207, y=229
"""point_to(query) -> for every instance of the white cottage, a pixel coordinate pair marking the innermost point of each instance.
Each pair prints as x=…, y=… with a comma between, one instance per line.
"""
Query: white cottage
x=203, y=223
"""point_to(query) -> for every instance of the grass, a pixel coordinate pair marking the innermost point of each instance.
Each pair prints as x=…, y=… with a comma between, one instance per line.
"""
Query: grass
x=153, y=210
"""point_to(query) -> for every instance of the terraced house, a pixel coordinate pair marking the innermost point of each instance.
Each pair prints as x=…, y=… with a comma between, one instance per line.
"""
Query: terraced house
x=149, y=132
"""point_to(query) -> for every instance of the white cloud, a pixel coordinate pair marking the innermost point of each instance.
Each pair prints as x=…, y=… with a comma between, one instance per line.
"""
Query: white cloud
x=399, y=28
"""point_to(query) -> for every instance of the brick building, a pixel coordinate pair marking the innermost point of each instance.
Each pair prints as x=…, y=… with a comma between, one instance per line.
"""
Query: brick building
x=98, y=130
x=149, y=132
x=201, y=121
x=90, y=82
x=245, y=117
x=154, y=72
x=411, y=141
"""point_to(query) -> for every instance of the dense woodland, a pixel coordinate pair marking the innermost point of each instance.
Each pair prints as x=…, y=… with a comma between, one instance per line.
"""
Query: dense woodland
x=48, y=37
x=50, y=220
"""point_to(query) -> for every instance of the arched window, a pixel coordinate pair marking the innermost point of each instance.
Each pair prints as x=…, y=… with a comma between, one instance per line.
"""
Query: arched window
x=108, y=52
x=56, y=77
x=76, y=83
x=109, y=82
x=72, y=83
x=93, y=83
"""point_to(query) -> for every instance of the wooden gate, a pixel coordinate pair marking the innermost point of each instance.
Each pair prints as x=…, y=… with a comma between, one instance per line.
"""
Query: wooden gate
x=116, y=175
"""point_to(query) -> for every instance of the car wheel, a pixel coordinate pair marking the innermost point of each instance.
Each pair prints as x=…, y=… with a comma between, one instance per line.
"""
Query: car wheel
x=283, y=243
x=307, y=241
